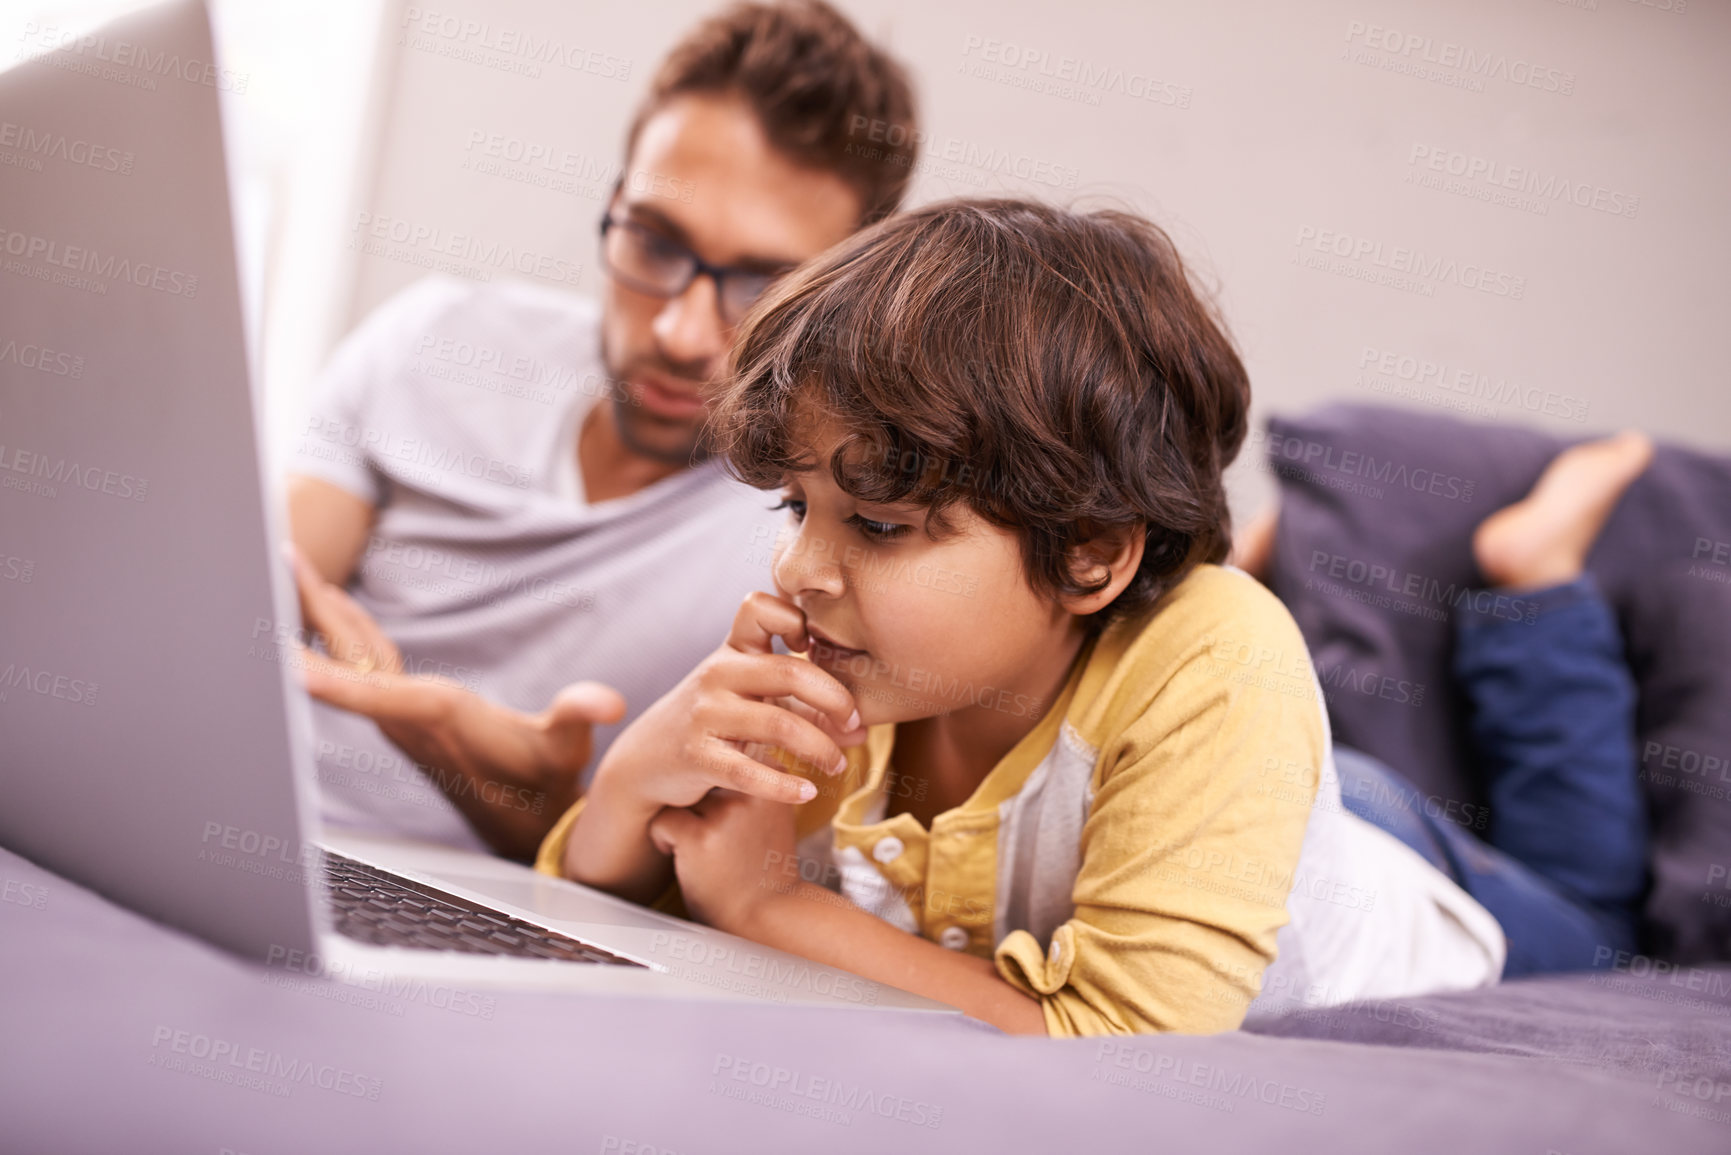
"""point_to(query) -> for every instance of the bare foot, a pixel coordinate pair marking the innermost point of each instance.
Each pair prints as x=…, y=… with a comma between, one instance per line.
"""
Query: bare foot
x=1253, y=546
x=1543, y=539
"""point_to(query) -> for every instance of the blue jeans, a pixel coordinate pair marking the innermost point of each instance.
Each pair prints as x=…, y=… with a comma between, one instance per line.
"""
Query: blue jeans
x=1564, y=864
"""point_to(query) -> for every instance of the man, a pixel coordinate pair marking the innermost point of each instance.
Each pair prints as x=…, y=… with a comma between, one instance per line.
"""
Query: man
x=514, y=485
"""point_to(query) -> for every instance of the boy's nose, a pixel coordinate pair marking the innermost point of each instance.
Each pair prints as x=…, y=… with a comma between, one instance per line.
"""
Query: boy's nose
x=806, y=563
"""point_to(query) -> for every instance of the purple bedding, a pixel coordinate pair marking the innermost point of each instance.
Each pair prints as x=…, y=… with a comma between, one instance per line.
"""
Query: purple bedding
x=88, y=991
x=1669, y=1030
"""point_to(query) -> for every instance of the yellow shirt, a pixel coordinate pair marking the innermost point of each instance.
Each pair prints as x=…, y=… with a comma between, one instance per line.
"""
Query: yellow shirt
x=1127, y=863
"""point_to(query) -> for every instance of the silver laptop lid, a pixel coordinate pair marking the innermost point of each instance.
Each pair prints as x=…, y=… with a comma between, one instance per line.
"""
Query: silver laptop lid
x=151, y=735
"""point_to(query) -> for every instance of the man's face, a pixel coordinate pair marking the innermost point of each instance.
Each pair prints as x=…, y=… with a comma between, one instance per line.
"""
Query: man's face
x=703, y=175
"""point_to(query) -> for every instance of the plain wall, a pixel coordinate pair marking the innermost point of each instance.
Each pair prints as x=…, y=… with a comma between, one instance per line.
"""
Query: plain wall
x=1564, y=267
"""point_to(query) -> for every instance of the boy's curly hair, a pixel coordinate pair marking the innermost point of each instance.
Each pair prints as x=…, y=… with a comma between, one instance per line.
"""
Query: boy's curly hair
x=1053, y=370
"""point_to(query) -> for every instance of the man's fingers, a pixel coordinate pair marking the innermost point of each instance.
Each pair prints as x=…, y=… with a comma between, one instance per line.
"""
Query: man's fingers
x=365, y=635
x=566, y=726
x=309, y=586
x=383, y=697
x=764, y=617
x=589, y=702
x=343, y=686
x=349, y=632
x=353, y=634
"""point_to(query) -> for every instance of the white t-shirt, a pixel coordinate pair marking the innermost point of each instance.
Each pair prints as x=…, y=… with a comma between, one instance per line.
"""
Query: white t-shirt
x=454, y=410
x=1420, y=932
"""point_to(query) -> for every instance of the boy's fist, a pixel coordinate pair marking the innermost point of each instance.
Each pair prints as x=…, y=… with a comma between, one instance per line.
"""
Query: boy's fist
x=741, y=699
x=722, y=849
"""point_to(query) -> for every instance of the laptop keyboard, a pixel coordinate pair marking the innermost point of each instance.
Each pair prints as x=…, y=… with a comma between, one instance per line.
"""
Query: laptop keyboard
x=384, y=909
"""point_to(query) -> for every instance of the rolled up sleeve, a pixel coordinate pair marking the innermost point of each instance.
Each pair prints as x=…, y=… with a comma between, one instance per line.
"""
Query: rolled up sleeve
x=343, y=420
x=550, y=859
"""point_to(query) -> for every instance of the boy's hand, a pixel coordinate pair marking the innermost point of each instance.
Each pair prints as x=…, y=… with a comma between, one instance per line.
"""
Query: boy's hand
x=742, y=697
x=722, y=851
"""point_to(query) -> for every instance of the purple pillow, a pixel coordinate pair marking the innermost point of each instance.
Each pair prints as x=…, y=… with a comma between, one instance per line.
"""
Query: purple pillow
x=1378, y=507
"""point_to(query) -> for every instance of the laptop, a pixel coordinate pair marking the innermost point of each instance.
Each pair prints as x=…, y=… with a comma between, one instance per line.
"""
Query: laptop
x=150, y=747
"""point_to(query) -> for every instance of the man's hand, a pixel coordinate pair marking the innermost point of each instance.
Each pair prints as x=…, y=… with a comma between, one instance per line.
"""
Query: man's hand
x=510, y=774
x=723, y=849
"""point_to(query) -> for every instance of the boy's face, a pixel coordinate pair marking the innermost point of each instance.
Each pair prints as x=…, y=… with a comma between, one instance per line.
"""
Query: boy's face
x=911, y=626
x=704, y=176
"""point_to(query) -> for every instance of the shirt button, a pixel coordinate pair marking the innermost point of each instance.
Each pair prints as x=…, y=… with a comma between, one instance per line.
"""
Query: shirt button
x=888, y=849
x=953, y=938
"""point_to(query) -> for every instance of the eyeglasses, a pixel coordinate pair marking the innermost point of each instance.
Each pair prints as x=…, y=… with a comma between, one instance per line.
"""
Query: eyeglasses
x=640, y=258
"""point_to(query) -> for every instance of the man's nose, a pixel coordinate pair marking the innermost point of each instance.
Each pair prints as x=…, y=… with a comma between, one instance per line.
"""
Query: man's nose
x=689, y=330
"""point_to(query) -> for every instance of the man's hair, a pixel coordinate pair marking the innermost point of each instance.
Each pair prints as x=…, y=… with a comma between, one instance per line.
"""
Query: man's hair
x=1054, y=370
x=824, y=95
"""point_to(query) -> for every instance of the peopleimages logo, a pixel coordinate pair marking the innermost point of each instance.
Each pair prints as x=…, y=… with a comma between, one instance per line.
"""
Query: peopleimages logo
x=1487, y=179
x=1469, y=383
x=42, y=474
x=47, y=144
x=1416, y=51
x=27, y=355
x=108, y=267
x=1384, y=581
x=46, y=684
x=439, y=995
x=698, y=960
x=429, y=29
x=434, y=248
x=126, y=54
x=452, y=573
x=226, y=1061
x=1298, y=458
x=417, y=451
x=1367, y=259
x=16, y=569
x=1118, y=1062
x=1069, y=77
x=876, y=139
x=802, y=1093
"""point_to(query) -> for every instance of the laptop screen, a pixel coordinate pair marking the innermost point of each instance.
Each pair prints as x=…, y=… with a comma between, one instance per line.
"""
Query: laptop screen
x=150, y=729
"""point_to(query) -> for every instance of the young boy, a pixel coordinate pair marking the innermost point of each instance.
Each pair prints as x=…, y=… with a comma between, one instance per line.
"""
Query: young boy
x=1023, y=754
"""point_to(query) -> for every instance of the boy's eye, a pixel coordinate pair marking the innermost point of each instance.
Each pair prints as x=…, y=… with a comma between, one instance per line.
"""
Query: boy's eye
x=879, y=530
x=876, y=530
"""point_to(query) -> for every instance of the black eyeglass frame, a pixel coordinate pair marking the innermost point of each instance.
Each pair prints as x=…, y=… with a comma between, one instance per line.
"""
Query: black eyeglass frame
x=718, y=274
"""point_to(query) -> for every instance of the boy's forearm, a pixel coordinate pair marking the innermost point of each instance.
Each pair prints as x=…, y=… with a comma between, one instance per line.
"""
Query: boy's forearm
x=820, y=925
x=609, y=846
